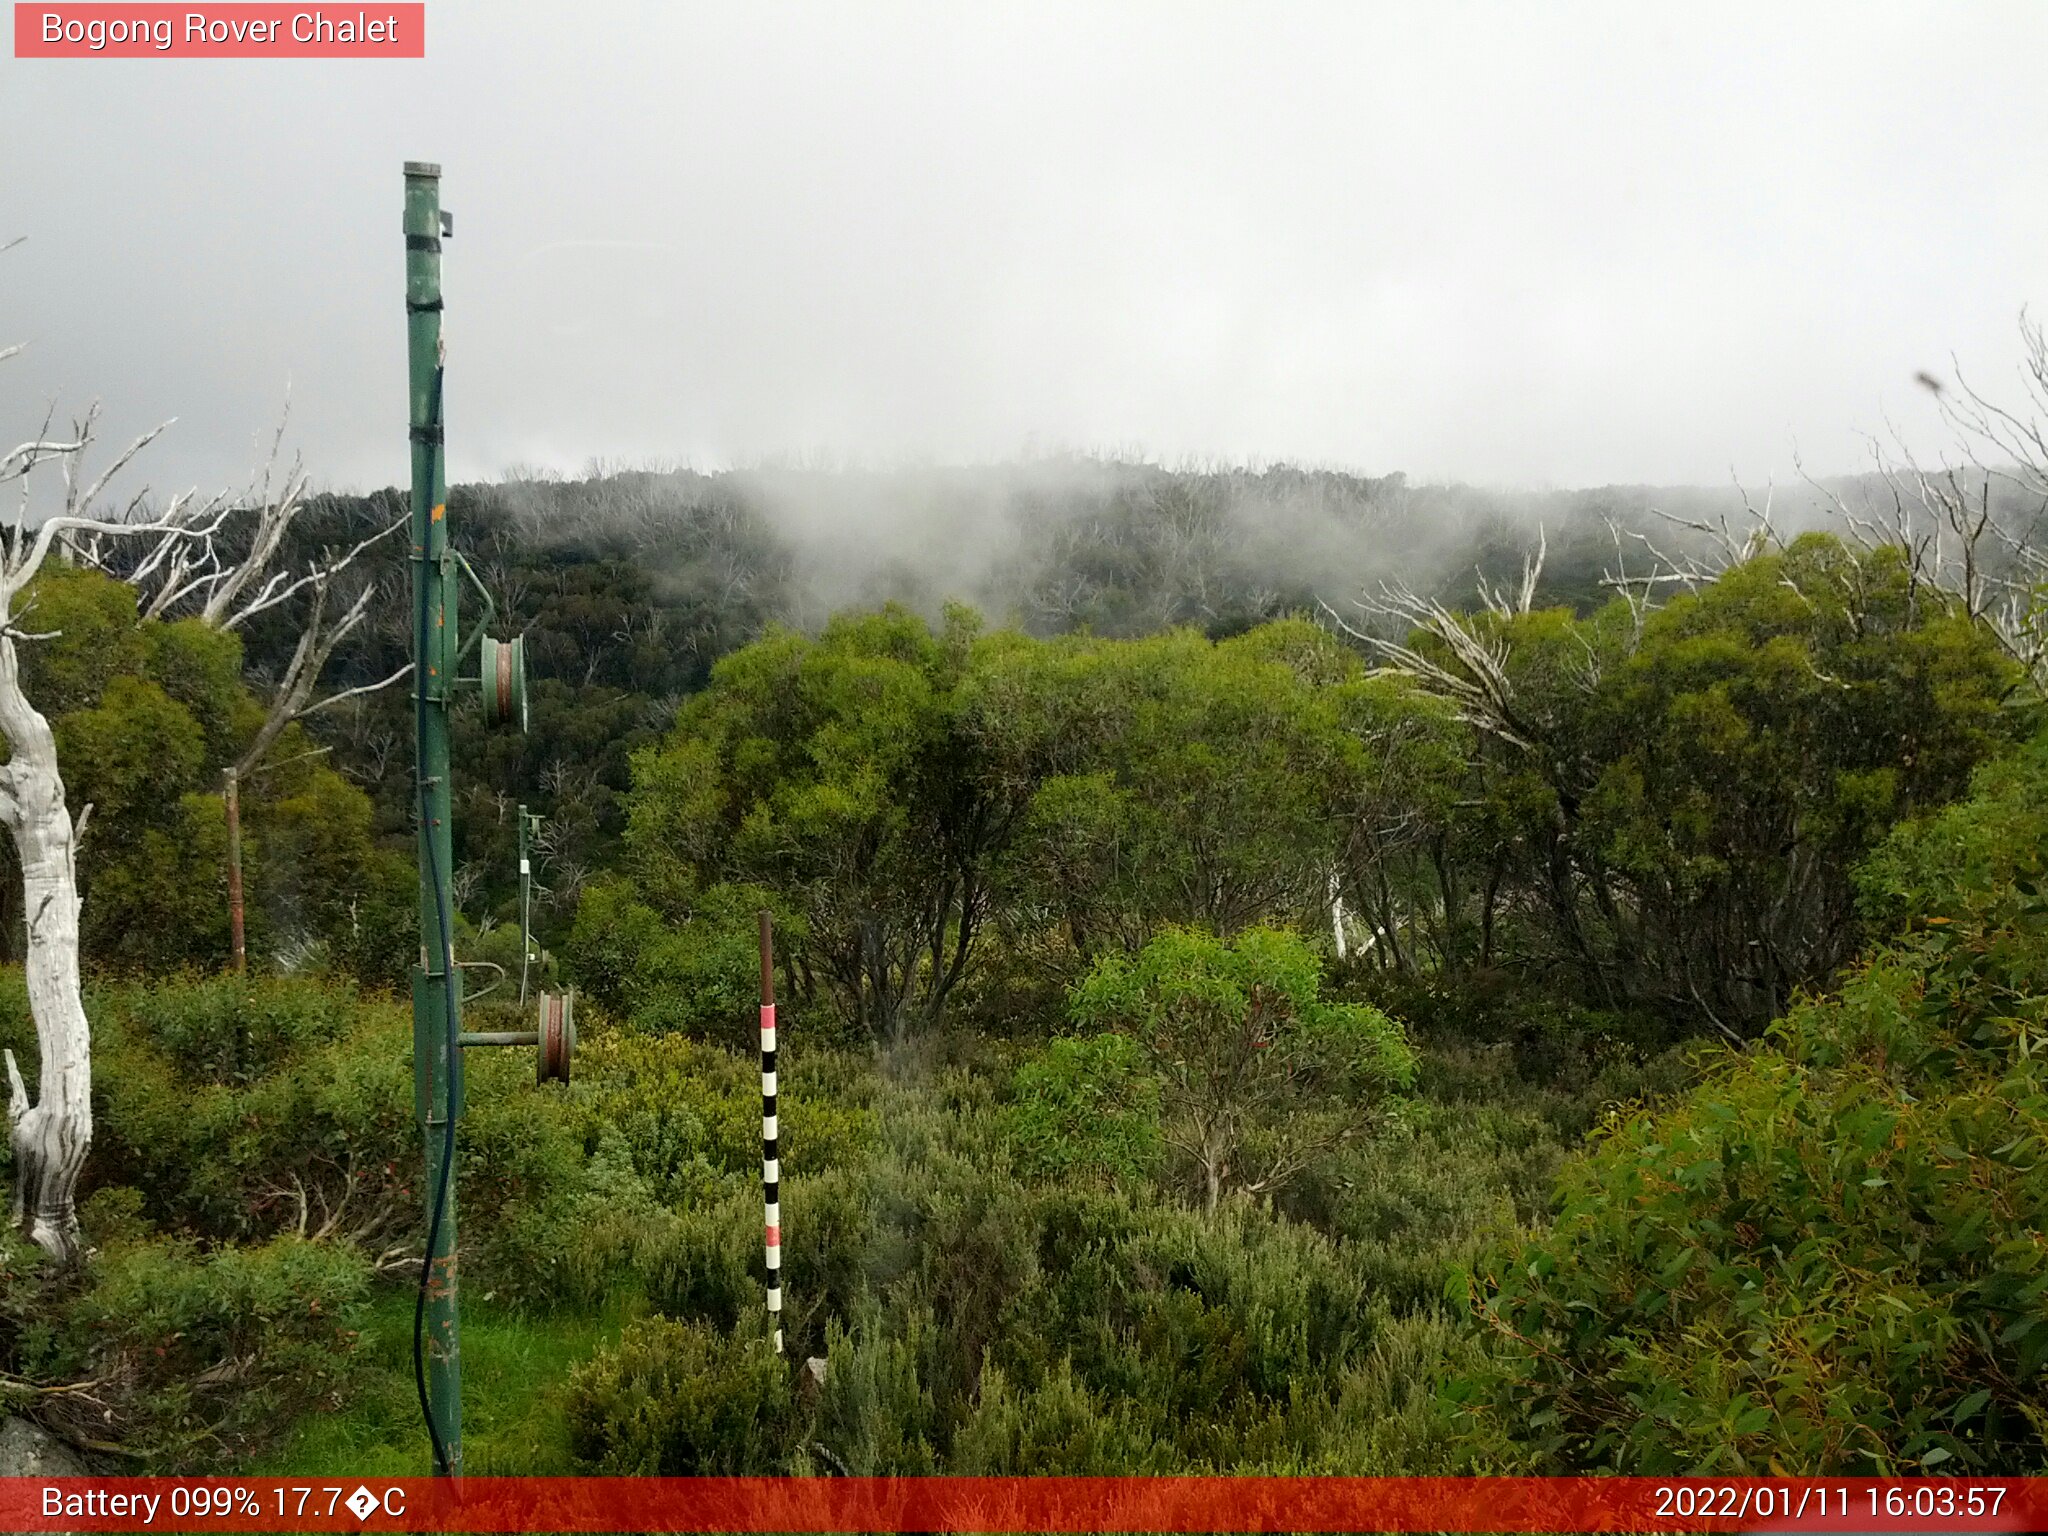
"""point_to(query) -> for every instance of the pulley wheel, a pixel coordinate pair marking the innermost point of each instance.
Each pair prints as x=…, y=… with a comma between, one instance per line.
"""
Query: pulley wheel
x=557, y=1036
x=503, y=676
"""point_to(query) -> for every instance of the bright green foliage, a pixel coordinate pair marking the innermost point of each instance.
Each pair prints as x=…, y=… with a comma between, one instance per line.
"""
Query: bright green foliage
x=901, y=789
x=132, y=752
x=690, y=1116
x=699, y=977
x=196, y=1351
x=1831, y=1257
x=1173, y=780
x=1980, y=844
x=1259, y=1077
x=1670, y=807
x=973, y=1320
x=1056, y=1429
x=1764, y=736
x=234, y=1104
x=242, y=1108
x=678, y=1399
x=146, y=716
x=232, y=1338
x=92, y=638
x=609, y=946
x=1410, y=823
x=875, y=1414
x=1086, y=1107
x=976, y=1323
x=1827, y=1256
x=827, y=771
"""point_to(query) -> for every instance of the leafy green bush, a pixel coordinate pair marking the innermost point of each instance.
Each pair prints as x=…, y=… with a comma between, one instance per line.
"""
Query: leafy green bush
x=1056, y=1429
x=147, y=714
x=1198, y=1314
x=243, y=1107
x=706, y=1264
x=230, y=1029
x=246, y=1108
x=1979, y=845
x=1259, y=1077
x=690, y=1114
x=676, y=1399
x=1086, y=1108
x=875, y=1414
x=698, y=976
x=234, y=1338
x=1830, y=1257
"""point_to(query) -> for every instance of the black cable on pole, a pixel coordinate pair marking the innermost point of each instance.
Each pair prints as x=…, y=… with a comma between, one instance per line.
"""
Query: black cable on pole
x=447, y=921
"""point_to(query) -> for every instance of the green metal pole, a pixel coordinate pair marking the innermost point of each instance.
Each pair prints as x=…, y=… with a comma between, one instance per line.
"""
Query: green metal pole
x=437, y=1066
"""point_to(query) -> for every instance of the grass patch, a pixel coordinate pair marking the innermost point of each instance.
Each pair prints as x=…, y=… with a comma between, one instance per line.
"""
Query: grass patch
x=514, y=1366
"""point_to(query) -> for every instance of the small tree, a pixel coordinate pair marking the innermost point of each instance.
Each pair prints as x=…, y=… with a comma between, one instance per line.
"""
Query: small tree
x=1259, y=1077
x=227, y=591
x=830, y=770
x=214, y=554
x=51, y=1134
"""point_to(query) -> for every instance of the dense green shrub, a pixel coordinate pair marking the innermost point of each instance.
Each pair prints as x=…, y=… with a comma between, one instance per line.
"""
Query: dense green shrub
x=1542, y=1035
x=1966, y=851
x=1259, y=1077
x=147, y=714
x=1055, y=1429
x=875, y=1415
x=1389, y=1420
x=189, y=1355
x=1086, y=1108
x=1830, y=1257
x=231, y=1340
x=698, y=974
x=690, y=1114
x=676, y=1399
x=228, y=1029
x=1170, y=779
x=244, y=1108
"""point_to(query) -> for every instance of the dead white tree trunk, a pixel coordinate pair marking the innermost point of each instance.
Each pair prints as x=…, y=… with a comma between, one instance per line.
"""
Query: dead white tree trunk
x=50, y=1136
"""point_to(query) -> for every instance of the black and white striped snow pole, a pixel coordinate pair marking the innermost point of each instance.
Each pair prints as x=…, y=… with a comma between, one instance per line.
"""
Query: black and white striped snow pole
x=771, y=1162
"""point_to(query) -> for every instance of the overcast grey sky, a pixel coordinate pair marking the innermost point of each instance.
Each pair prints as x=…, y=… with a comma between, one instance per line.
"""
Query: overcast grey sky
x=1558, y=244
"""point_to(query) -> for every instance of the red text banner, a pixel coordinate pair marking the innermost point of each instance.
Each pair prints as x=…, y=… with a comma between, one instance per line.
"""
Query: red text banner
x=990, y=1504
x=368, y=31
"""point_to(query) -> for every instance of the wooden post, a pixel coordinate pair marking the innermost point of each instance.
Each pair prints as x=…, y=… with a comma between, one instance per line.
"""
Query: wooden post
x=237, y=937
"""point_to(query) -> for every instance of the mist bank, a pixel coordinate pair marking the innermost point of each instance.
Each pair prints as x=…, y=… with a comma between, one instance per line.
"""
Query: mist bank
x=629, y=585
x=1118, y=546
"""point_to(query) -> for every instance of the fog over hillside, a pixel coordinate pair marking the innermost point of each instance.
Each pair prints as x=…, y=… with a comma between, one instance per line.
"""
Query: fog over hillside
x=1127, y=546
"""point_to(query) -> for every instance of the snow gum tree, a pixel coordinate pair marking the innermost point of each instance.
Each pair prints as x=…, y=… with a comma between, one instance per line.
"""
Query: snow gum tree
x=217, y=559
x=50, y=1133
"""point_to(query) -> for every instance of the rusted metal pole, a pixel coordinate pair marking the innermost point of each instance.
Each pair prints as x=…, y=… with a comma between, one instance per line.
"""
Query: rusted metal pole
x=237, y=935
x=771, y=1161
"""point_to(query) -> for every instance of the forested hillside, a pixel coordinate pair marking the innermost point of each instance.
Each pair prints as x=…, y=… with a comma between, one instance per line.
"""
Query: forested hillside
x=1280, y=971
